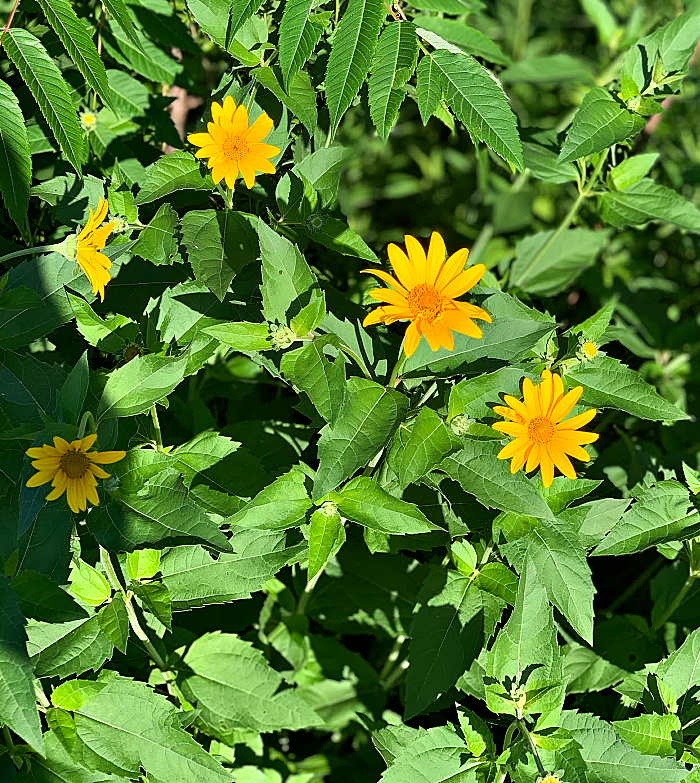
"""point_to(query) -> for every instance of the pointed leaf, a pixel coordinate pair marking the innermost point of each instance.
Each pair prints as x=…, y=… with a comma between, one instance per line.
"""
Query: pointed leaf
x=15, y=159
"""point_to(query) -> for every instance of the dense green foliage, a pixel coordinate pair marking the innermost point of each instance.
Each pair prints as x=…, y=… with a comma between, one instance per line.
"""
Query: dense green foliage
x=311, y=563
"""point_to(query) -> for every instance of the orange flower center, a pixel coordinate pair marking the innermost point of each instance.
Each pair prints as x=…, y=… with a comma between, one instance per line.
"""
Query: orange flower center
x=74, y=464
x=235, y=147
x=425, y=301
x=540, y=430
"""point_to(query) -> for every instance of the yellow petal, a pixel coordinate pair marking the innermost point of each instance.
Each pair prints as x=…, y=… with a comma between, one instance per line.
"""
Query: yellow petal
x=387, y=278
x=411, y=339
x=403, y=268
x=576, y=422
x=463, y=282
x=566, y=404
x=436, y=257
x=42, y=477
x=259, y=129
x=452, y=267
x=106, y=457
x=416, y=255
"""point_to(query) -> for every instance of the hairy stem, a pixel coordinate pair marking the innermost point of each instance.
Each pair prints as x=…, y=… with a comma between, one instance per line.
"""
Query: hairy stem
x=156, y=428
x=531, y=745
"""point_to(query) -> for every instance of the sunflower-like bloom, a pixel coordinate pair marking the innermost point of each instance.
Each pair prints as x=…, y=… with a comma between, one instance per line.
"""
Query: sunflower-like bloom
x=72, y=469
x=90, y=241
x=232, y=147
x=541, y=435
x=425, y=292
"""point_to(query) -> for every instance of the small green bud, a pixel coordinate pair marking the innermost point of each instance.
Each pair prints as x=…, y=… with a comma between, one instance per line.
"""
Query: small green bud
x=460, y=425
x=281, y=336
x=328, y=509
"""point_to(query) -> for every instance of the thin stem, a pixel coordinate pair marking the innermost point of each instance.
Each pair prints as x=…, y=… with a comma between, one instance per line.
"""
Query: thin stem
x=229, y=200
x=306, y=595
x=503, y=770
x=522, y=26
x=10, y=745
x=28, y=252
x=156, y=427
x=428, y=394
x=41, y=696
x=533, y=748
x=391, y=658
x=113, y=580
x=394, y=379
x=82, y=427
x=9, y=21
x=358, y=361
x=677, y=601
x=395, y=676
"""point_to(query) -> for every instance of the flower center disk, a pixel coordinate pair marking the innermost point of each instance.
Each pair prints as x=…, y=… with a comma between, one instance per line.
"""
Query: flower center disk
x=425, y=300
x=540, y=430
x=235, y=147
x=74, y=464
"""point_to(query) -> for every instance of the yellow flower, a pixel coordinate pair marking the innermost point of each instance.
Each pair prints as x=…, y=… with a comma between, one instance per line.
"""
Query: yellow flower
x=425, y=293
x=542, y=436
x=232, y=146
x=90, y=241
x=72, y=469
x=88, y=121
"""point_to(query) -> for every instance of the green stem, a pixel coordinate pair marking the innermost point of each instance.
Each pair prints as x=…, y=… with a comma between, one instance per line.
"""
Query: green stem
x=503, y=769
x=29, y=251
x=113, y=580
x=677, y=601
x=358, y=361
x=306, y=595
x=533, y=748
x=522, y=25
x=82, y=427
x=41, y=696
x=395, y=676
x=9, y=21
x=10, y=745
x=393, y=655
x=156, y=427
x=394, y=379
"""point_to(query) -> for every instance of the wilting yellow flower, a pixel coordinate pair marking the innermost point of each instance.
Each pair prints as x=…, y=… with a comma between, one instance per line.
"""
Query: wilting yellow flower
x=90, y=241
x=542, y=436
x=231, y=146
x=72, y=469
x=425, y=293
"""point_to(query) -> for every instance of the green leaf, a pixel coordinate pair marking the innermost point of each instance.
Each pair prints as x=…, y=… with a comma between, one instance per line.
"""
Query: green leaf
x=322, y=169
x=193, y=578
x=50, y=91
x=594, y=328
x=428, y=87
x=219, y=245
x=599, y=13
x=468, y=39
x=311, y=371
x=499, y=580
x=393, y=65
x=134, y=387
x=143, y=564
x=235, y=688
x=142, y=56
x=418, y=449
x=118, y=10
x=659, y=514
x=652, y=735
x=540, y=153
x=559, y=559
x=15, y=159
x=601, y=121
x=631, y=170
x=644, y=201
x=608, y=757
x=157, y=242
x=114, y=622
x=63, y=649
x=351, y=54
x=449, y=630
x=300, y=97
x=42, y=599
x=79, y=45
x=162, y=512
x=174, y=172
x=299, y=33
x=29, y=388
x=478, y=471
x=609, y=384
x=73, y=694
x=586, y=671
x=111, y=334
x=434, y=757
x=134, y=728
x=368, y=418
x=338, y=236
x=547, y=263
x=679, y=672
x=480, y=103
x=17, y=700
x=326, y=536
x=281, y=505
x=548, y=69
x=364, y=501
x=242, y=336
x=88, y=584
x=72, y=394
x=210, y=15
x=241, y=11
x=155, y=597
x=290, y=291
x=474, y=397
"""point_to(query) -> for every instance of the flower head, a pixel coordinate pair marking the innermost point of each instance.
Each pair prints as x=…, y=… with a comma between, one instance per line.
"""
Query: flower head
x=88, y=121
x=232, y=147
x=541, y=435
x=72, y=469
x=89, y=243
x=425, y=292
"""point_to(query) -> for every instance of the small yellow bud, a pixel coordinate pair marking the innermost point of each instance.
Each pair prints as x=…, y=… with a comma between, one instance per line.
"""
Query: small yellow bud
x=88, y=121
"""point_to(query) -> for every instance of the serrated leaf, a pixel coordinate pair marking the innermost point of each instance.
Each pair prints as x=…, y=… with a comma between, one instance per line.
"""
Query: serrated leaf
x=351, y=54
x=588, y=672
x=18, y=709
x=142, y=55
x=631, y=170
x=157, y=241
x=644, y=201
x=601, y=121
x=118, y=10
x=546, y=263
x=72, y=394
x=193, y=578
x=242, y=336
x=241, y=11
x=478, y=471
x=499, y=580
x=475, y=397
x=15, y=159
x=49, y=89
x=338, y=236
x=428, y=87
x=298, y=35
x=609, y=384
x=418, y=448
x=367, y=420
x=680, y=672
x=42, y=599
x=660, y=513
x=63, y=649
x=155, y=597
x=652, y=735
x=88, y=584
x=300, y=97
x=143, y=564
x=78, y=44
x=540, y=152
x=433, y=757
x=479, y=102
x=134, y=387
x=281, y=505
x=468, y=39
x=326, y=536
x=392, y=66
x=177, y=171
x=114, y=622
